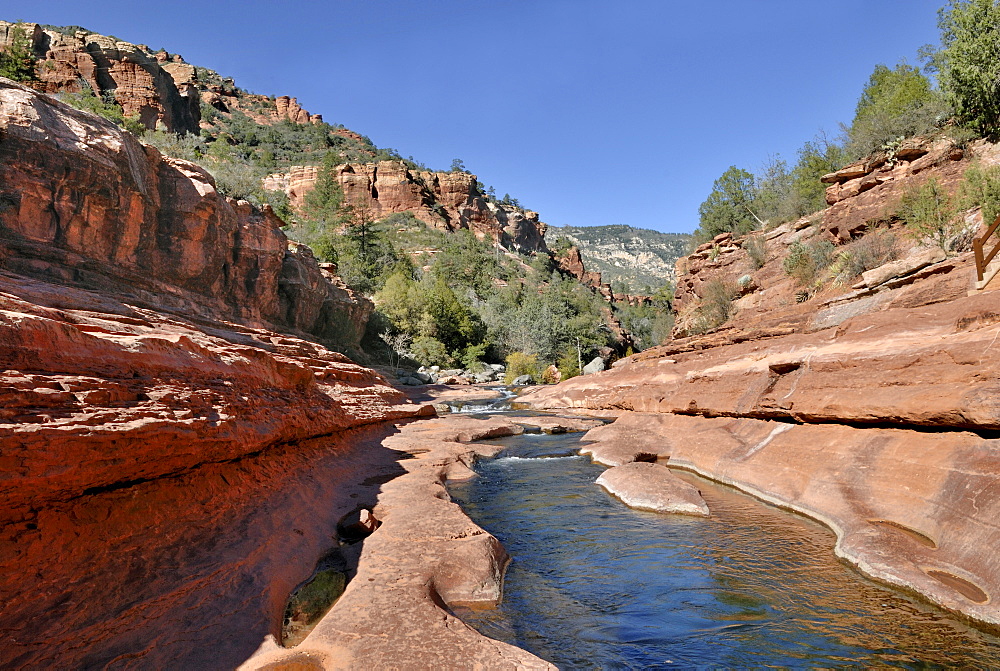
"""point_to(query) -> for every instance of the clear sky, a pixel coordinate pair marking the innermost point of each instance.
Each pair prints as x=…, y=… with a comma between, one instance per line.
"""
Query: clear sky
x=591, y=112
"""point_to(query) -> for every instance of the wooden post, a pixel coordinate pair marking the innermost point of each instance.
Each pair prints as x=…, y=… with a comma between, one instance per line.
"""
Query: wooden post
x=977, y=247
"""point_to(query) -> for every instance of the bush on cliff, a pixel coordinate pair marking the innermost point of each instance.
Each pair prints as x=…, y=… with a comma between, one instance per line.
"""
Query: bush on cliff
x=981, y=188
x=895, y=103
x=805, y=262
x=873, y=249
x=105, y=106
x=728, y=207
x=932, y=214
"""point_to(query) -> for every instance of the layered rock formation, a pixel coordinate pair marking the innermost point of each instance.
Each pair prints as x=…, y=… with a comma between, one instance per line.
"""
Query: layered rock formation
x=157, y=88
x=445, y=200
x=166, y=355
x=869, y=405
x=154, y=88
x=427, y=555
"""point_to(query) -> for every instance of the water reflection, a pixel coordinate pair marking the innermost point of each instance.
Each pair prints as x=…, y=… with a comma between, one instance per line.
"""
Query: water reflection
x=595, y=584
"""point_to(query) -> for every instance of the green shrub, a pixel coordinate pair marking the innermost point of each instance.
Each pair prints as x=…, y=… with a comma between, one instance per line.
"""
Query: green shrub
x=104, y=106
x=931, y=213
x=429, y=351
x=967, y=62
x=805, y=262
x=756, y=249
x=870, y=251
x=520, y=363
x=981, y=188
x=896, y=103
x=17, y=61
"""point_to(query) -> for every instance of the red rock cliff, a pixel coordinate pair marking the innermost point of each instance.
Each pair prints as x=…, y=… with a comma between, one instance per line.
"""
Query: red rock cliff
x=446, y=200
x=163, y=353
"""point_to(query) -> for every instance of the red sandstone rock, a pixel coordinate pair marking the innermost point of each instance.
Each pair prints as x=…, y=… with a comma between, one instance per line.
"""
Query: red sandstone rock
x=559, y=424
x=911, y=508
x=653, y=487
x=146, y=85
x=446, y=200
x=140, y=317
x=427, y=552
x=885, y=392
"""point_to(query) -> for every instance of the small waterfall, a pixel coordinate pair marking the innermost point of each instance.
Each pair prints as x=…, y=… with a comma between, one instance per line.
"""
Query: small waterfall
x=479, y=406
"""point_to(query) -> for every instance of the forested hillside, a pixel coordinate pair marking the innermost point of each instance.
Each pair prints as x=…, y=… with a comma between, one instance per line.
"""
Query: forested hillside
x=460, y=277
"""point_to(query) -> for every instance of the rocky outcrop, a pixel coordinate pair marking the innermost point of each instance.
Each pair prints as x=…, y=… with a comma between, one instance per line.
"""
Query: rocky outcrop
x=168, y=388
x=868, y=404
x=159, y=89
x=426, y=556
x=156, y=89
x=86, y=204
x=647, y=486
x=138, y=309
x=445, y=200
x=859, y=192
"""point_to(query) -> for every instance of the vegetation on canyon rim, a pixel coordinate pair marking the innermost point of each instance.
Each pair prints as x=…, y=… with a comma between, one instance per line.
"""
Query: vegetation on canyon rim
x=471, y=302
x=895, y=103
x=444, y=298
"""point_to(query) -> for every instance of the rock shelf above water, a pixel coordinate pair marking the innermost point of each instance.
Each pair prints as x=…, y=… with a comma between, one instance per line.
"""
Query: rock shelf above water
x=653, y=487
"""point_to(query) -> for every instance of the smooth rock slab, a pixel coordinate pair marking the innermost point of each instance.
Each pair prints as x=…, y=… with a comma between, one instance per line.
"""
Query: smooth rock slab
x=648, y=486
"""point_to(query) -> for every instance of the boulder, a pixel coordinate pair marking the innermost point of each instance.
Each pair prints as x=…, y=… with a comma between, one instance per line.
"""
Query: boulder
x=522, y=380
x=596, y=365
x=912, y=263
x=485, y=376
x=649, y=486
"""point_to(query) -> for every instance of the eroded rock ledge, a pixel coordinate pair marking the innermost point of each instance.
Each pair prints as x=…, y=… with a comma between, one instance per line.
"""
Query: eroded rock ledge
x=878, y=417
x=427, y=555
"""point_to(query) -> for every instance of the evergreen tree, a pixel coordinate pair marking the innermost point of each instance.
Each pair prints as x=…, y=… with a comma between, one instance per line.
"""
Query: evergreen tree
x=969, y=62
x=17, y=61
x=728, y=208
x=895, y=103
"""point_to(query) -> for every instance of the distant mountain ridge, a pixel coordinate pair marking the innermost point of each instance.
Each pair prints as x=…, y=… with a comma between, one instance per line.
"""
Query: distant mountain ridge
x=635, y=257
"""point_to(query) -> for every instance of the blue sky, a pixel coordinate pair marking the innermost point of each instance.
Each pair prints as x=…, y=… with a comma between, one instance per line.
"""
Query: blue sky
x=589, y=112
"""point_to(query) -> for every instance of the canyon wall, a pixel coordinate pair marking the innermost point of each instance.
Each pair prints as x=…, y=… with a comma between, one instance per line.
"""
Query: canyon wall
x=869, y=403
x=445, y=200
x=166, y=357
x=157, y=88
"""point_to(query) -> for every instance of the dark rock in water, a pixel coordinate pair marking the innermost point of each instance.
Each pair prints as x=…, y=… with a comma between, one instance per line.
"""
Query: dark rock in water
x=357, y=525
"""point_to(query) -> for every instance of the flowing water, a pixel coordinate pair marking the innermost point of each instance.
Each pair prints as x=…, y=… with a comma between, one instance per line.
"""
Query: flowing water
x=595, y=584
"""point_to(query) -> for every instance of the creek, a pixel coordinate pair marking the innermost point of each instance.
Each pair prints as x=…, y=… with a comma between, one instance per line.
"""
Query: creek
x=595, y=584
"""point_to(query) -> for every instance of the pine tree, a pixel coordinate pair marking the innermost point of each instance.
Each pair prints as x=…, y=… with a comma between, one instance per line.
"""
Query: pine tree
x=17, y=61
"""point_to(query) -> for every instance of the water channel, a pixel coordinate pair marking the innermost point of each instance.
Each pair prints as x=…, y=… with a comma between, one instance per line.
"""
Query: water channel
x=595, y=584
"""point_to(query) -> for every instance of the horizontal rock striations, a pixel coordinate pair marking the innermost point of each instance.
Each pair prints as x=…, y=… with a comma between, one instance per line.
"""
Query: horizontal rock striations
x=870, y=405
x=84, y=203
x=444, y=200
x=166, y=355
